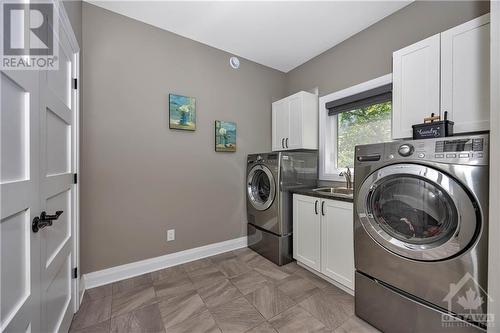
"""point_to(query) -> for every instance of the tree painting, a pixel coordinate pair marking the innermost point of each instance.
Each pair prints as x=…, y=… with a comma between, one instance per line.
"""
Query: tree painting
x=371, y=124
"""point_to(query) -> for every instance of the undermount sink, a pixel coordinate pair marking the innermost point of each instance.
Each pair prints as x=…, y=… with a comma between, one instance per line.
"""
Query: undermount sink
x=335, y=191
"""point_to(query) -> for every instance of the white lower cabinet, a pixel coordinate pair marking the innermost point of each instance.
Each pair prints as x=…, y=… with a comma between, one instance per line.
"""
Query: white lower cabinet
x=323, y=237
x=337, y=242
x=307, y=230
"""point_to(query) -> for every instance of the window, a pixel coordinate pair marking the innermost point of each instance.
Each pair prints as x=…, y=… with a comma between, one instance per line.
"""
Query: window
x=354, y=116
x=371, y=124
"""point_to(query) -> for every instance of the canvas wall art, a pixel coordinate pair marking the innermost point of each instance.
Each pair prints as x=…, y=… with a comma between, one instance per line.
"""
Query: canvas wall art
x=182, y=112
x=225, y=136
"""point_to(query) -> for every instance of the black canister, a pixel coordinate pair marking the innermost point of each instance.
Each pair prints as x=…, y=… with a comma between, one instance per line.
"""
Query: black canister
x=433, y=129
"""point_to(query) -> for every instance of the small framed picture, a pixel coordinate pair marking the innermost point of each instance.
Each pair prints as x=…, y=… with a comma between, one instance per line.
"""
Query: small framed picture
x=225, y=136
x=182, y=112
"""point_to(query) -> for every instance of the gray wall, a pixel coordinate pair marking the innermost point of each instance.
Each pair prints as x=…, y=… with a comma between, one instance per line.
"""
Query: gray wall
x=74, y=10
x=368, y=54
x=138, y=177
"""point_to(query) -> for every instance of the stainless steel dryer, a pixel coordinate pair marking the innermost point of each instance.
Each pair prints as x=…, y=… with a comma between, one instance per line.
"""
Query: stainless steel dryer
x=270, y=177
x=420, y=234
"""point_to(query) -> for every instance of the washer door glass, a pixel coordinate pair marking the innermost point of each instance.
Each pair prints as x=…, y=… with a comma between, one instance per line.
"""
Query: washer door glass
x=417, y=212
x=413, y=210
x=261, y=188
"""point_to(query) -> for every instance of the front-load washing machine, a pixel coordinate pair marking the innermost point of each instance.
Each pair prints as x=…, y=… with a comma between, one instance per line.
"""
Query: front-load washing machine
x=420, y=234
x=270, y=177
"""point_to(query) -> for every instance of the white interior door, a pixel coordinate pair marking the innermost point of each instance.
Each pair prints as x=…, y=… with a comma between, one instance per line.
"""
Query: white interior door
x=20, y=247
x=57, y=116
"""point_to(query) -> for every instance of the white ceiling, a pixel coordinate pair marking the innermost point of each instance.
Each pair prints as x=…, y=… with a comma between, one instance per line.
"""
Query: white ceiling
x=278, y=34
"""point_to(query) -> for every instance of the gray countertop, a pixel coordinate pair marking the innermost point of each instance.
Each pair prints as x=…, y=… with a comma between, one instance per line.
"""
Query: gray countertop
x=311, y=193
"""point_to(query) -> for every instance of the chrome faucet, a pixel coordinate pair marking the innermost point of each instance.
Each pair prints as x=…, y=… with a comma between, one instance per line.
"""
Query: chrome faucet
x=348, y=177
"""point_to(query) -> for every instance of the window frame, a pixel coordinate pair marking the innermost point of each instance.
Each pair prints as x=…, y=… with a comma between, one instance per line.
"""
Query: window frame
x=328, y=168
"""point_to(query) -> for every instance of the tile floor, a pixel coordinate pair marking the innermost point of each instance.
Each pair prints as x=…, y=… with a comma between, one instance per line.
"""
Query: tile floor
x=233, y=292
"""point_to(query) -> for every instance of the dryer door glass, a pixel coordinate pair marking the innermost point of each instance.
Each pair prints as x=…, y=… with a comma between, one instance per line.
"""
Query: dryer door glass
x=260, y=187
x=414, y=210
x=417, y=212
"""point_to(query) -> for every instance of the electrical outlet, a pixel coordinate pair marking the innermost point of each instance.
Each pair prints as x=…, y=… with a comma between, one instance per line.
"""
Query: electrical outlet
x=170, y=235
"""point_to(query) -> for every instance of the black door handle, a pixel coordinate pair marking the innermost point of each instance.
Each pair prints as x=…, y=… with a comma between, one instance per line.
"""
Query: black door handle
x=323, y=208
x=286, y=142
x=316, y=207
x=46, y=217
x=45, y=220
x=283, y=143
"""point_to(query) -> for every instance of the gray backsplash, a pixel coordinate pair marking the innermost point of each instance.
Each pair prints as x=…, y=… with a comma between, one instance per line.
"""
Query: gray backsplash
x=330, y=183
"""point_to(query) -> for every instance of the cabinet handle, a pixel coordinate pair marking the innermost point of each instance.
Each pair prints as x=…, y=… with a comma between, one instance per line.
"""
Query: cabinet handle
x=283, y=143
x=286, y=142
x=323, y=208
x=316, y=207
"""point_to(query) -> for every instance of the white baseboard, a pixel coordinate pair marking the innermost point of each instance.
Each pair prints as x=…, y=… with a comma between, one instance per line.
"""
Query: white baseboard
x=324, y=277
x=81, y=292
x=117, y=273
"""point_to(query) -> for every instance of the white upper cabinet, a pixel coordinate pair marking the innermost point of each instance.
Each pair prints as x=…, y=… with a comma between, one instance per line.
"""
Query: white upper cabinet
x=465, y=78
x=295, y=122
x=445, y=72
x=281, y=118
x=415, y=85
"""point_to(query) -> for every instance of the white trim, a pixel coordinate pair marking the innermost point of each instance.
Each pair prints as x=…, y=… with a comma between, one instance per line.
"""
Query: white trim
x=117, y=273
x=65, y=25
x=326, y=278
x=327, y=152
x=494, y=222
x=76, y=187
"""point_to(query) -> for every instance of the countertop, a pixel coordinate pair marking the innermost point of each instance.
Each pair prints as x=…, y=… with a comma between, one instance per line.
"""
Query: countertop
x=309, y=192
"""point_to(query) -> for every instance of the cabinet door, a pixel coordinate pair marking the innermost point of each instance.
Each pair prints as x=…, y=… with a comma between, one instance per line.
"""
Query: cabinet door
x=294, y=138
x=465, y=79
x=280, y=124
x=337, y=252
x=307, y=231
x=416, y=81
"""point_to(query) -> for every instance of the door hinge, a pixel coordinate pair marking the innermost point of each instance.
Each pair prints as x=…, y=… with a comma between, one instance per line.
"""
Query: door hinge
x=75, y=273
x=75, y=178
x=75, y=83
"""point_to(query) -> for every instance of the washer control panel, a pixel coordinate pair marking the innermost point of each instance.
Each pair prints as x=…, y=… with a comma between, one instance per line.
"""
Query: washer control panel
x=469, y=150
x=406, y=149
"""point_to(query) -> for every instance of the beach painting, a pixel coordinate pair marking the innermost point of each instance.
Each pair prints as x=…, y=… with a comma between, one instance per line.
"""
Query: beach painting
x=225, y=136
x=182, y=112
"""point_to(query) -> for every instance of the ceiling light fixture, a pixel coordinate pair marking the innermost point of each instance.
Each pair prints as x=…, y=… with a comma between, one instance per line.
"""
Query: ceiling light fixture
x=234, y=62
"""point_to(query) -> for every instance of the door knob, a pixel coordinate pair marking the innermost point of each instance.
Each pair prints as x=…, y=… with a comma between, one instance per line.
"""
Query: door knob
x=45, y=220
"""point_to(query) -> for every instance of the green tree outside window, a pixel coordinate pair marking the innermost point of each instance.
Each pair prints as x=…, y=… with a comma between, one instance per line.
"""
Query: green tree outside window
x=371, y=124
